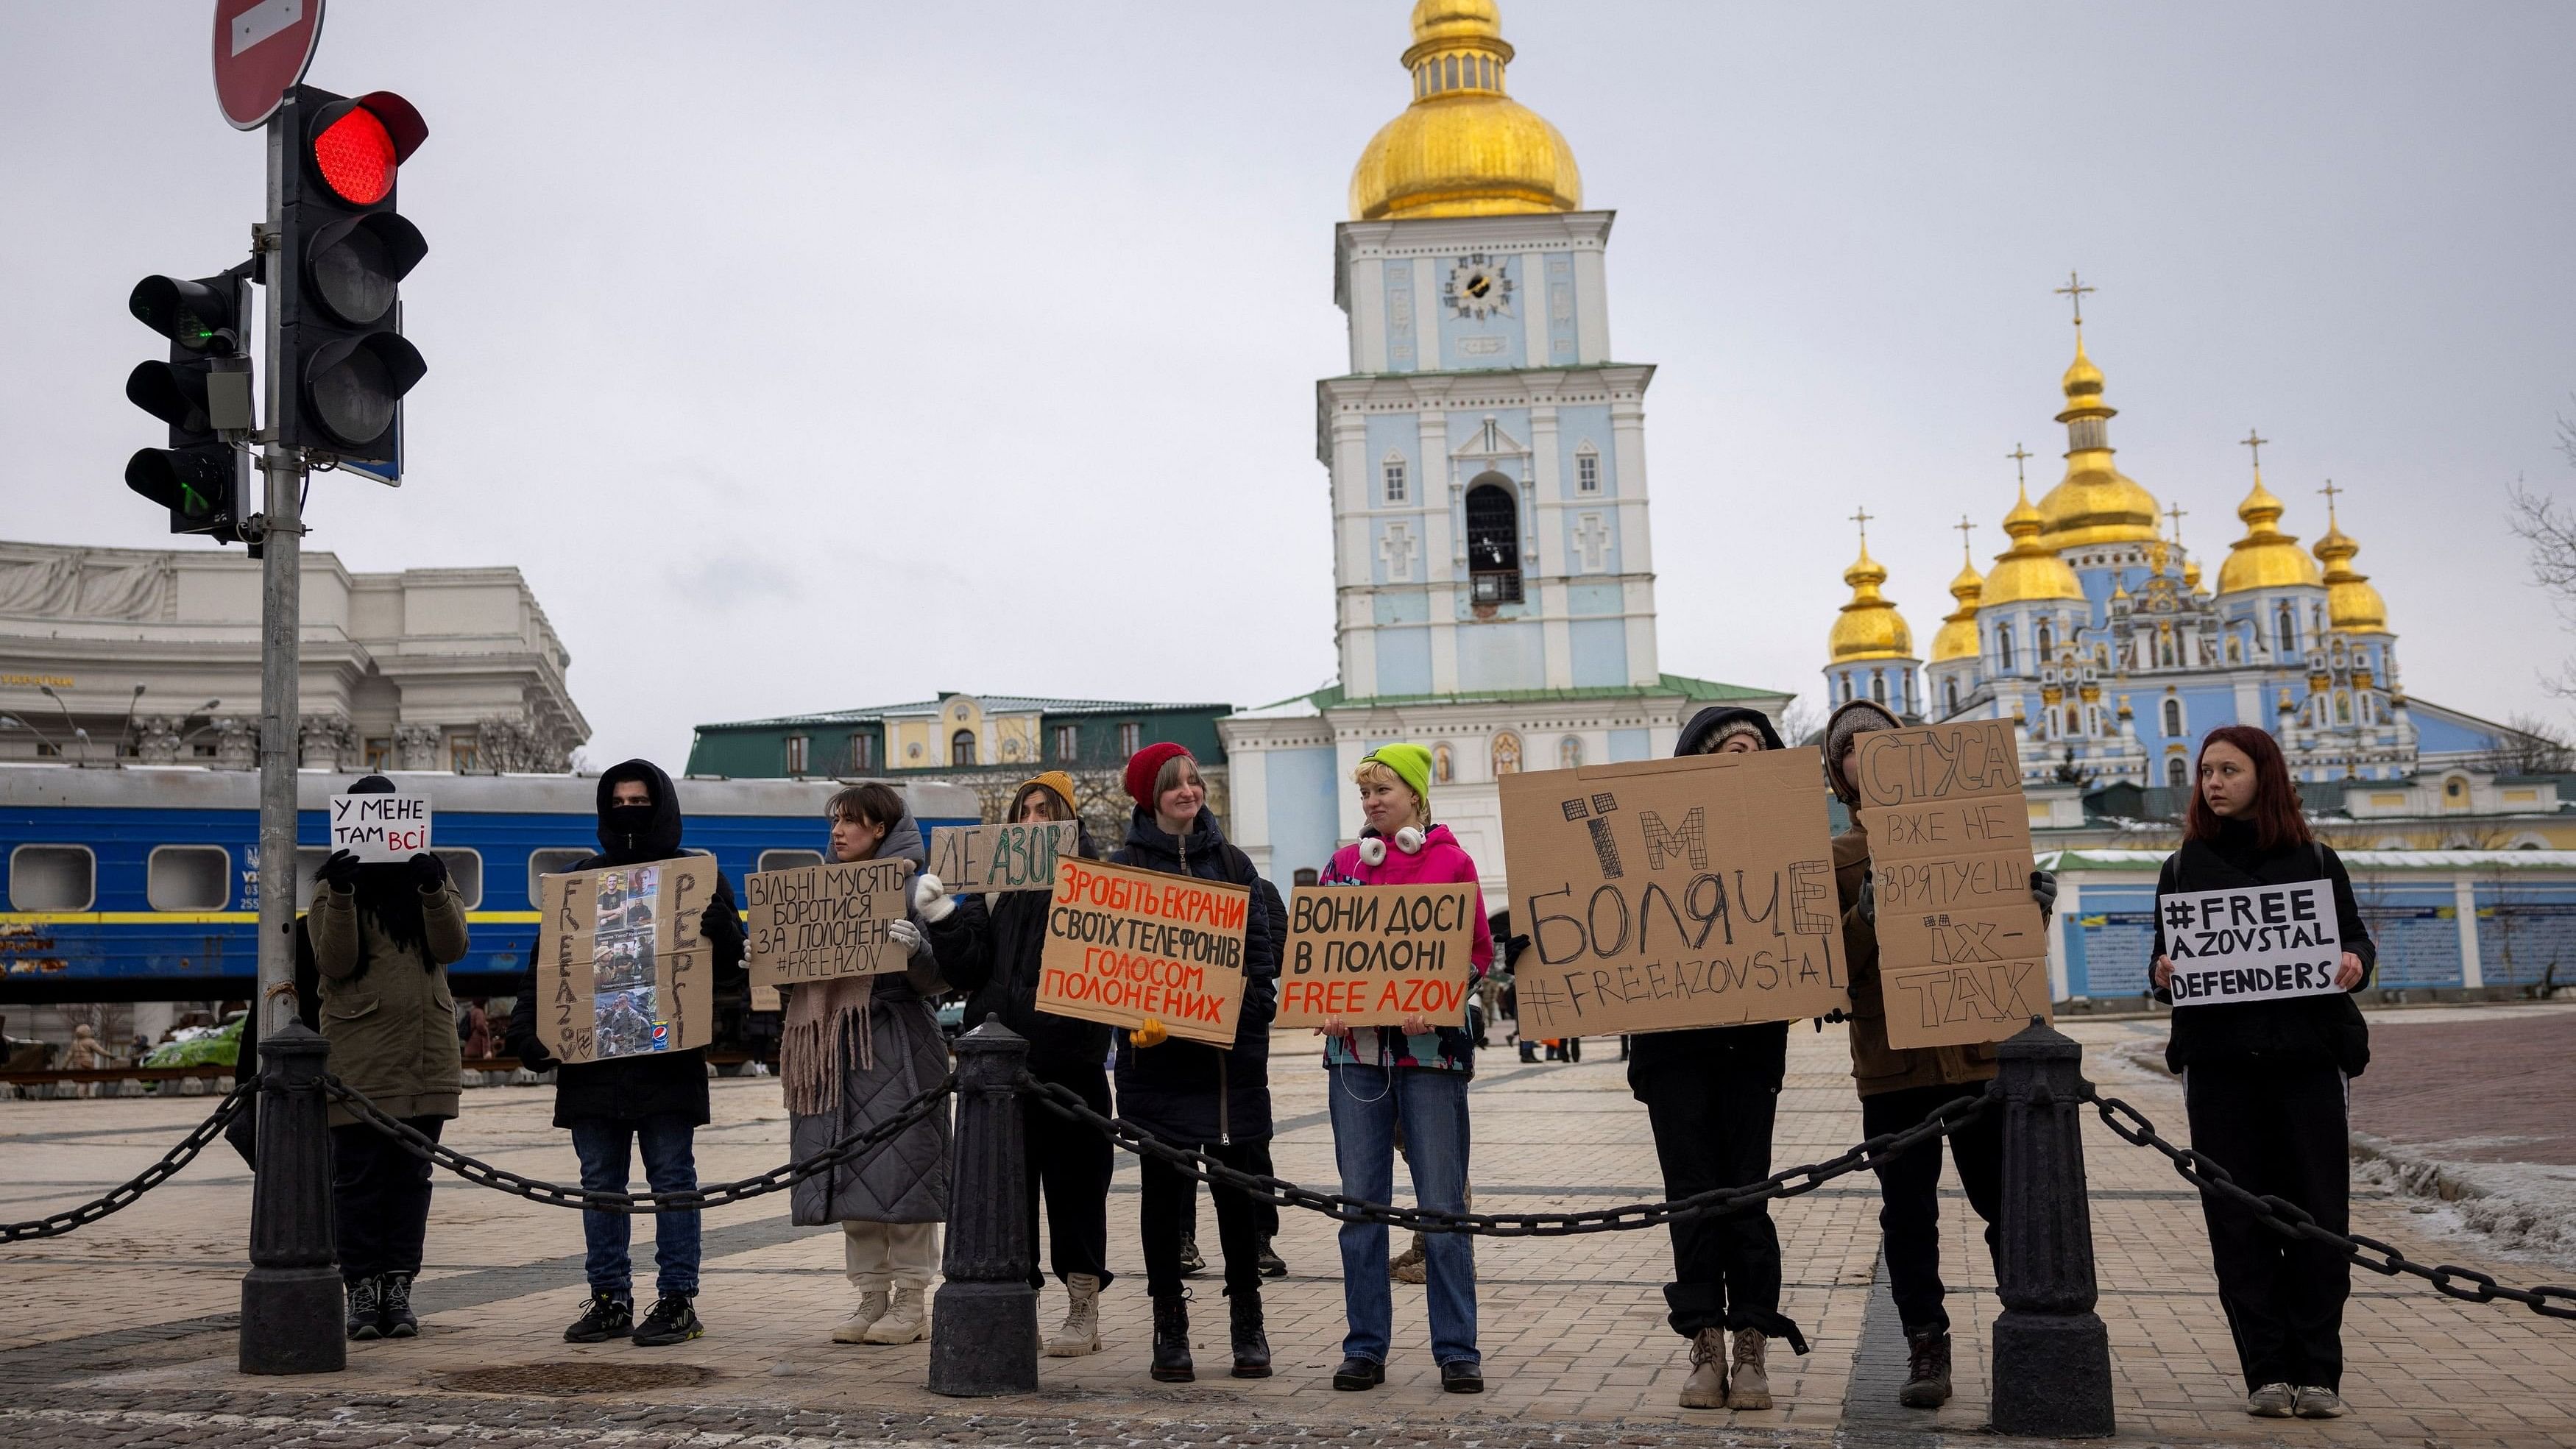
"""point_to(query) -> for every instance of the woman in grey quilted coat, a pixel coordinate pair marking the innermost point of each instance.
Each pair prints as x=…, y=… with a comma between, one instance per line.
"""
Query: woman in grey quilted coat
x=854, y=1052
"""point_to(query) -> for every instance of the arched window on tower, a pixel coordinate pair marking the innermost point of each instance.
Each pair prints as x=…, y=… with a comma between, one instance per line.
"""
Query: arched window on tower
x=2285, y=629
x=1493, y=543
x=1950, y=695
x=1878, y=686
x=2045, y=640
x=2074, y=720
x=2177, y=772
x=2004, y=648
x=2173, y=719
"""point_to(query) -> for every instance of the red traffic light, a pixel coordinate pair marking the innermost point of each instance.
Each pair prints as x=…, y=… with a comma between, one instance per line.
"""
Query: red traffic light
x=358, y=146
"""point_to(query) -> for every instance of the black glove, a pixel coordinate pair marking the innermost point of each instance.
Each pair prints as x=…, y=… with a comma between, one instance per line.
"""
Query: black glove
x=1867, y=905
x=428, y=872
x=720, y=924
x=2043, y=892
x=340, y=872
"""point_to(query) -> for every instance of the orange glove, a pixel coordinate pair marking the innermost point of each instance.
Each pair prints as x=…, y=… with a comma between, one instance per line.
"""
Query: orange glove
x=1149, y=1033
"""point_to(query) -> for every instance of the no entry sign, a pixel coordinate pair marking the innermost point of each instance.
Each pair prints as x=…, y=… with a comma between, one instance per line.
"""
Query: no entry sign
x=261, y=50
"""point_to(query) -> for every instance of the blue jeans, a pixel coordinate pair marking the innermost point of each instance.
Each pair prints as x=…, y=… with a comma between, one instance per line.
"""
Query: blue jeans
x=671, y=1165
x=1367, y=1103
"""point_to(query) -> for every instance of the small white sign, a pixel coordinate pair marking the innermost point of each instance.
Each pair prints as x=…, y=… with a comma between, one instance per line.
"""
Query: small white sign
x=2257, y=943
x=380, y=829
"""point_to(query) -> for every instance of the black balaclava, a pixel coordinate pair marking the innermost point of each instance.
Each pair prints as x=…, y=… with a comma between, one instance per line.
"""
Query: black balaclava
x=629, y=834
x=388, y=894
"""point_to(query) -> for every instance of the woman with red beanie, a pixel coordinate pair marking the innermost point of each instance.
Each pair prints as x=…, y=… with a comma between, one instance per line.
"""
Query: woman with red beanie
x=1193, y=1095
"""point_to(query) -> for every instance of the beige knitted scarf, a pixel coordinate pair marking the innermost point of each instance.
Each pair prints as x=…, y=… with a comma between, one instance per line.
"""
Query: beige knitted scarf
x=823, y=1018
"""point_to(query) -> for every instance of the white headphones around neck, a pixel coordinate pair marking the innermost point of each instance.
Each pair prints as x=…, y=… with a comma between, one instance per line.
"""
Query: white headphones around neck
x=1373, y=849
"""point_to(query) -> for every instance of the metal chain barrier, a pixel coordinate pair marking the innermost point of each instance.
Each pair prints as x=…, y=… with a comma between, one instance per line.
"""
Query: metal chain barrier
x=1950, y=1117
x=555, y=1194
x=151, y=1177
x=2290, y=1220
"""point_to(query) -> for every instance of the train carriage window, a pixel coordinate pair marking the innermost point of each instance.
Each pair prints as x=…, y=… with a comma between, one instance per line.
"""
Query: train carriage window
x=787, y=859
x=465, y=867
x=188, y=878
x=52, y=878
x=553, y=861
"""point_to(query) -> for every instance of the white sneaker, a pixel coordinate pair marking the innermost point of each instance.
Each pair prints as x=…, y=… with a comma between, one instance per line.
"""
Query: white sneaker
x=2316, y=1403
x=2272, y=1401
x=854, y=1329
x=906, y=1319
x=1081, y=1331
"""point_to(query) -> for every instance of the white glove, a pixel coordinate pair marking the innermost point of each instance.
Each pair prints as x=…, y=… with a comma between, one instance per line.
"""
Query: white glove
x=931, y=899
x=904, y=934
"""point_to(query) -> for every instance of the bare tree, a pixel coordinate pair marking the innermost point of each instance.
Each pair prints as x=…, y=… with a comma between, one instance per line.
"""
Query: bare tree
x=2530, y=745
x=1801, y=722
x=2549, y=528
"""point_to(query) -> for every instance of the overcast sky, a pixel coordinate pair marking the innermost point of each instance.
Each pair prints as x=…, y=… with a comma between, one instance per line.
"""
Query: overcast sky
x=815, y=356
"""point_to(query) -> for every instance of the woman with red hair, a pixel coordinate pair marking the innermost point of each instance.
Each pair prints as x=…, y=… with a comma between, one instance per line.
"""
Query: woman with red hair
x=2264, y=1082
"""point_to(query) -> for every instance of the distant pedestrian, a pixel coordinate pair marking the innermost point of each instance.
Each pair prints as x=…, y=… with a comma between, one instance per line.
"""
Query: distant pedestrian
x=652, y=1103
x=855, y=1050
x=1405, y=1085
x=477, y=1030
x=2265, y=1083
x=382, y=936
x=1711, y=1094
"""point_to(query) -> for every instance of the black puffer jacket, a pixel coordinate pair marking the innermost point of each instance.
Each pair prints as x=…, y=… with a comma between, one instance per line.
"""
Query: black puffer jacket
x=2305, y=1031
x=1707, y=1048
x=1186, y=1092
x=629, y=1089
x=1001, y=979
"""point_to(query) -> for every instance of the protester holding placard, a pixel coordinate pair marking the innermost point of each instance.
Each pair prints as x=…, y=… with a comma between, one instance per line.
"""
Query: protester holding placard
x=1192, y=1094
x=1069, y=1164
x=1711, y=1094
x=2264, y=1081
x=1410, y=1079
x=381, y=937
x=653, y=1101
x=856, y=1049
x=1899, y=1088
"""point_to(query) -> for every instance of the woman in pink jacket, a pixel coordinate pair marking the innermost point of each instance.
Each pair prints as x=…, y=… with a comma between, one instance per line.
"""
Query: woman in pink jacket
x=1416, y=1076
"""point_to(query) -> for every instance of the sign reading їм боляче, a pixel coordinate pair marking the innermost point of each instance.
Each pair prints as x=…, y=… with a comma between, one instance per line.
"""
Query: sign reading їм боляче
x=2252, y=943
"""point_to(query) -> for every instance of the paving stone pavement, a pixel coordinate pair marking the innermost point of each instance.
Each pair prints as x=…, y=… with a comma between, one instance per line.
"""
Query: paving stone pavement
x=122, y=1334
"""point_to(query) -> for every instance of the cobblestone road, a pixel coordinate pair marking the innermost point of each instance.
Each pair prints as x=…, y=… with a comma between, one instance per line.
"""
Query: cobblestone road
x=121, y=1335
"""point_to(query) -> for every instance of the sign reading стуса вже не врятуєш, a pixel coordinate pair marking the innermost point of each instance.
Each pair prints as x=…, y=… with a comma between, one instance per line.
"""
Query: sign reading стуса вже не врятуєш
x=2252, y=943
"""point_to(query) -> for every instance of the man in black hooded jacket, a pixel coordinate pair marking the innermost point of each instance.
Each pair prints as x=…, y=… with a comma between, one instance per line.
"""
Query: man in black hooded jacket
x=655, y=1101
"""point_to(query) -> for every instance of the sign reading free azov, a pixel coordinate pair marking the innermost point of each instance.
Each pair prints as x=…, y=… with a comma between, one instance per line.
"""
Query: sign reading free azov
x=2252, y=943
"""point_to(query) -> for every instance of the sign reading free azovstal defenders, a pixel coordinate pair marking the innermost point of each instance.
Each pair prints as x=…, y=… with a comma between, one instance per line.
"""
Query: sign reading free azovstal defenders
x=1125, y=944
x=1673, y=893
x=1962, y=951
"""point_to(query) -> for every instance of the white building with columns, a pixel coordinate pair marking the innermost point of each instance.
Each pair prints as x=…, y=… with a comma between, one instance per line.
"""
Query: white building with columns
x=1494, y=580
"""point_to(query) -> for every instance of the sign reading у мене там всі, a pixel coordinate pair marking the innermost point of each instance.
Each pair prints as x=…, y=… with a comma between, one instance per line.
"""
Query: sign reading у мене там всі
x=380, y=829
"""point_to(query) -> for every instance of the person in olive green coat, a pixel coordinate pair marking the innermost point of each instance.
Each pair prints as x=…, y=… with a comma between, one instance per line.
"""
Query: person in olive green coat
x=382, y=936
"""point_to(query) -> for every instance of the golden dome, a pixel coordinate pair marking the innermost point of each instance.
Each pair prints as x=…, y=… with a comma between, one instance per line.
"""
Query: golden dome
x=2351, y=603
x=2095, y=502
x=1870, y=627
x=1463, y=148
x=2265, y=558
x=2029, y=569
x=1958, y=636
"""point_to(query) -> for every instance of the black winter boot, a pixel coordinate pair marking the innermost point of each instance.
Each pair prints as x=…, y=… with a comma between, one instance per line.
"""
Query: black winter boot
x=1251, y=1345
x=1172, y=1341
x=366, y=1309
x=1927, y=1373
x=398, y=1319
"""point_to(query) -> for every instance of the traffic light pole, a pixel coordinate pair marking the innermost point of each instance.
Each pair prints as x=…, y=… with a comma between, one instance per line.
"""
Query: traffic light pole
x=291, y=1303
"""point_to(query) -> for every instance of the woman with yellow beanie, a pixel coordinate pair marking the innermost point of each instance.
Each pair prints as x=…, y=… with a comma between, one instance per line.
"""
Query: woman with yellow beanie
x=1413, y=1077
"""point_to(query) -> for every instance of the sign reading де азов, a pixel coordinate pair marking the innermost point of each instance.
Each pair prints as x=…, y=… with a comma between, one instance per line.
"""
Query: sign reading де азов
x=1018, y=856
x=2254, y=943
x=1962, y=949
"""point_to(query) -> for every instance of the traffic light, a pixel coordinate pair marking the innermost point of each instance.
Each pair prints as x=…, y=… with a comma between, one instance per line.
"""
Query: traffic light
x=344, y=250
x=204, y=389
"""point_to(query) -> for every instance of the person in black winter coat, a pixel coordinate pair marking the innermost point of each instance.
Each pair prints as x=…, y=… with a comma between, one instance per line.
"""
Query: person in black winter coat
x=1710, y=1095
x=1191, y=1094
x=655, y=1100
x=2264, y=1082
x=1067, y=1163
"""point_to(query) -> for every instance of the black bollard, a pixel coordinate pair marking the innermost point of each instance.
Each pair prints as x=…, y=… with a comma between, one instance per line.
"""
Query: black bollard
x=2052, y=1375
x=984, y=1323
x=293, y=1306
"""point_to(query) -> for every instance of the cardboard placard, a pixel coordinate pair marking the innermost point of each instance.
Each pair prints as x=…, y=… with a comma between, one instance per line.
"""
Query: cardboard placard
x=1962, y=948
x=380, y=829
x=2257, y=943
x=1673, y=893
x=824, y=922
x=621, y=968
x=1374, y=955
x=1125, y=944
x=1017, y=857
